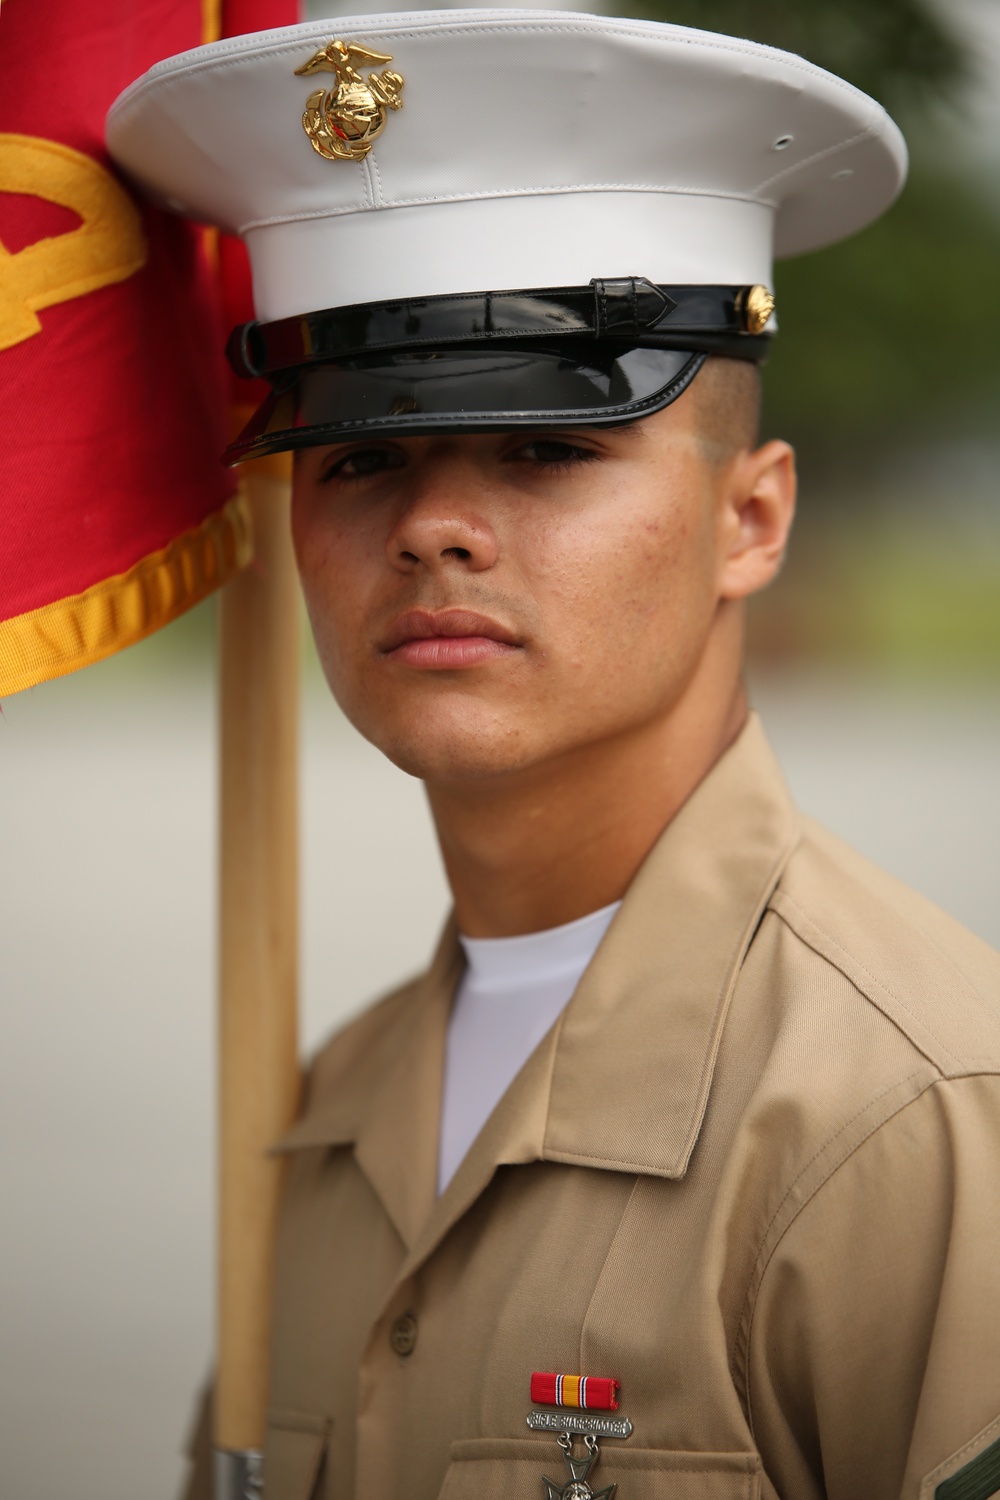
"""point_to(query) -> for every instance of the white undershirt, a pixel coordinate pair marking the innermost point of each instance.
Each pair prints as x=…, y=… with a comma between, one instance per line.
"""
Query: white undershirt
x=511, y=993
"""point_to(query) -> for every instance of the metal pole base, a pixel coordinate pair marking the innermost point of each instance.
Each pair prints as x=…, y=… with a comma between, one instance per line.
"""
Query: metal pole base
x=238, y=1476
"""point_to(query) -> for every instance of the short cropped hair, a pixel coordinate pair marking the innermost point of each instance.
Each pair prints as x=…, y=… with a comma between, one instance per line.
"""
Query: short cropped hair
x=728, y=394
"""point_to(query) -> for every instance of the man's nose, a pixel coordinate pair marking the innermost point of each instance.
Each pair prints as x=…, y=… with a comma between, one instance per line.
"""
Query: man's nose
x=443, y=525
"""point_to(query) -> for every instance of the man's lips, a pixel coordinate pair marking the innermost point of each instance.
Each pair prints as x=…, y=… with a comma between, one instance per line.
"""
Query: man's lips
x=446, y=639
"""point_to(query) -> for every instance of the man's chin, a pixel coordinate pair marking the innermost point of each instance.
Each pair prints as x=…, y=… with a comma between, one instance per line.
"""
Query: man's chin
x=454, y=762
x=449, y=752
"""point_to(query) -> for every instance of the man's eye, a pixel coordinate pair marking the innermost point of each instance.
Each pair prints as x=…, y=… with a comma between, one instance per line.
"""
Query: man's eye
x=553, y=453
x=361, y=463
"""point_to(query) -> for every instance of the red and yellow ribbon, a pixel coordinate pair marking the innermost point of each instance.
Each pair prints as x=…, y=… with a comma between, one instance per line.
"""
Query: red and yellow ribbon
x=581, y=1392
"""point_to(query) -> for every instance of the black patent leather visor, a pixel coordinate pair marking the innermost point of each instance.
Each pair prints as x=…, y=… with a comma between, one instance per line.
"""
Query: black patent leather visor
x=472, y=389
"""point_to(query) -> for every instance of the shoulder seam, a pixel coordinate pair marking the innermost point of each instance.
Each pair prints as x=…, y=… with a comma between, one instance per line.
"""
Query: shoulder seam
x=823, y=943
x=924, y=937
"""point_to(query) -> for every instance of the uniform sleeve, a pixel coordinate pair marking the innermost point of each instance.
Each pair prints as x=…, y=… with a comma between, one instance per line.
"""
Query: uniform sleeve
x=873, y=1358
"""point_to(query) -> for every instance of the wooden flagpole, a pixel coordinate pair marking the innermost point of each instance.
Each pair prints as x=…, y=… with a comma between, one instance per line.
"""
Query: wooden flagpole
x=258, y=961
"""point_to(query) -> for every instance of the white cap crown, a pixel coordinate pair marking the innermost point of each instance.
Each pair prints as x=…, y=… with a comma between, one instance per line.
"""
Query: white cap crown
x=521, y=149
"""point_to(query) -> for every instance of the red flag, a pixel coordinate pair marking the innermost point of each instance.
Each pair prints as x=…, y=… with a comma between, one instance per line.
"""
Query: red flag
x=116, y=514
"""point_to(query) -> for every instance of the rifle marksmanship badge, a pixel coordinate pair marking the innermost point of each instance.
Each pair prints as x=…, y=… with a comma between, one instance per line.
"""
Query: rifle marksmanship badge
x=579, y=1398
x=343, y=120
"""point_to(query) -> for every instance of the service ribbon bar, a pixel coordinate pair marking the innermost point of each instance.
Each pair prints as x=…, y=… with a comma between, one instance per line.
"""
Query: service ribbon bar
x=580, y=1392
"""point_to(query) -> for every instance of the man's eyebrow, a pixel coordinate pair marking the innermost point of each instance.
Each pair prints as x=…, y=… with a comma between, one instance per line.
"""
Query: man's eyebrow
x=631, y=429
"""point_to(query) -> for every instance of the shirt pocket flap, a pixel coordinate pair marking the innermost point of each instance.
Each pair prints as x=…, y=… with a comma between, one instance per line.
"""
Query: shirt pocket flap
x=294, y=1450
x=512, y=1468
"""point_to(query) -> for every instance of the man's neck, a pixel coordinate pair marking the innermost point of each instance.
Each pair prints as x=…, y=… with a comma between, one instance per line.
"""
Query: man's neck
x=544, y=846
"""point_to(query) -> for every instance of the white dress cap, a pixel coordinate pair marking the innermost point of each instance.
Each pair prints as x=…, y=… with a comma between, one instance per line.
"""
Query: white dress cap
x=522, y=149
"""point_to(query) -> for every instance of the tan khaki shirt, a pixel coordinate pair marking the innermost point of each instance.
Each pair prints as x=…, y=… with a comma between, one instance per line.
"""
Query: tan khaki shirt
x=753, y=1173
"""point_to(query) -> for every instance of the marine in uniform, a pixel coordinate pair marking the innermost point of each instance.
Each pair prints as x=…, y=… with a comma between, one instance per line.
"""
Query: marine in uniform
x=676, y=1174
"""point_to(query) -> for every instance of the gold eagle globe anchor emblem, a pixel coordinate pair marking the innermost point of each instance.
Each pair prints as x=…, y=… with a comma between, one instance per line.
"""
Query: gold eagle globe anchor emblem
x=343, y=121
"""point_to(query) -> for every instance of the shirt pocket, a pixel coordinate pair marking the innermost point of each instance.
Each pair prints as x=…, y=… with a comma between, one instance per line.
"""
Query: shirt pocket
x=294, y=1453
x=513, y=1469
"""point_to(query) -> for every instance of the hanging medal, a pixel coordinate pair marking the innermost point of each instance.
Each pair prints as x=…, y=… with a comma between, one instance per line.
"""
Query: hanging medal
x=580, y=1400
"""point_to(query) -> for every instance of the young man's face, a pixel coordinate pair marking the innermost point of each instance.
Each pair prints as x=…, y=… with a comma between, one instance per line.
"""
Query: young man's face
x=486, y=603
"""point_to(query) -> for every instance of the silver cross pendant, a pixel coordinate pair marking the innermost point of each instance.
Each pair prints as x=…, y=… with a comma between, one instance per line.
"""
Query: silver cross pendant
x=576, y=1487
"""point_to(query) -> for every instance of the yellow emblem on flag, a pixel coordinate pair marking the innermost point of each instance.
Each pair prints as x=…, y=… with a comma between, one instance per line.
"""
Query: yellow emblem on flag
x=108, y=246
x=342, y=122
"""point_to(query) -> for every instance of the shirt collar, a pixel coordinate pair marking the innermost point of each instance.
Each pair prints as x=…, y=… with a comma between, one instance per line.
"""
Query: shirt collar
x=622, y=1081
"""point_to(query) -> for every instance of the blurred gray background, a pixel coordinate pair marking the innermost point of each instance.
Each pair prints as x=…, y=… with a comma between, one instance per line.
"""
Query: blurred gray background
x=875, y=664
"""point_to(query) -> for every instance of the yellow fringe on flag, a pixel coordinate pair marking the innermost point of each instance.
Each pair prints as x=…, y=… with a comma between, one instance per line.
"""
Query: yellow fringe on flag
x=85, y=628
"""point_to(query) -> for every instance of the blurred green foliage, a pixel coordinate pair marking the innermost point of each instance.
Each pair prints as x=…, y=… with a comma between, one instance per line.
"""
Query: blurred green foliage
x=863, y=589
x=901, y=51
x=892, y=334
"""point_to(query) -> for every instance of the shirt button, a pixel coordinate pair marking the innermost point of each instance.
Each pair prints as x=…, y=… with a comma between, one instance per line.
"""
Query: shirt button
x=403, y=1334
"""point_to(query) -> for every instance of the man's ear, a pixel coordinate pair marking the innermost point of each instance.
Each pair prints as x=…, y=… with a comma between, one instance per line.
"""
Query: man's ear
x=757, y=505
